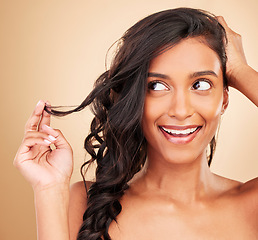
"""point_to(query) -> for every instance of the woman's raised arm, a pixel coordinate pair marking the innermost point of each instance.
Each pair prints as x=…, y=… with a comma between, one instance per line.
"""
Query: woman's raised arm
x=240, y=75
x=49, y=172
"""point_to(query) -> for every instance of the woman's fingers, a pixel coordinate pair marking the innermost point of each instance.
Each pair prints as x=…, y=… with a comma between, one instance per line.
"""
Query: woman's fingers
x=235, y=54
x=37, y=138
x=45, y=119
x=40, y=135
x=32, y=123
x=38, y=118
x=230, y=33
x=31, y=146
x=223, y=22
x=60, y=141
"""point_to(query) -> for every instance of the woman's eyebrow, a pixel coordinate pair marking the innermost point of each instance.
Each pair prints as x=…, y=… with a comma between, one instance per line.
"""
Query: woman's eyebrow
x=203, y=73
x=193, y=75
x=158, y=75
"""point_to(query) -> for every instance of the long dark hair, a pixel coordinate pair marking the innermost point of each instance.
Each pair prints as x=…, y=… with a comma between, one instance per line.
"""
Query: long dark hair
x=116, y=141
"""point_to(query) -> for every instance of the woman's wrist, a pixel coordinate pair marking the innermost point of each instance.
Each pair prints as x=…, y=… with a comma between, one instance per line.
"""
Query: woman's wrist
x=52, y=205
x=237, y=76
x=52, y=187
x=245, y=80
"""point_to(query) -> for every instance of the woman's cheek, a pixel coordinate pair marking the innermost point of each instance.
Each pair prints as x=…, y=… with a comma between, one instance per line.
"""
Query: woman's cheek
x=209, y=105
x=155, y=106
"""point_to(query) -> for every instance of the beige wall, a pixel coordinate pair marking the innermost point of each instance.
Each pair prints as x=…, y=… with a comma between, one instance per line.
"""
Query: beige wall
x=54, y=50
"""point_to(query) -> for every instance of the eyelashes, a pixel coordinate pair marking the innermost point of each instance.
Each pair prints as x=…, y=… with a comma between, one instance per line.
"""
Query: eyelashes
x=202, y=85
x=157, y=86
x=199, y=85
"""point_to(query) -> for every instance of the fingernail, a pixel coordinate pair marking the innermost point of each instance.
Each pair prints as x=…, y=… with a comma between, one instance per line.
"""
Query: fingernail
x=38, y=102
x=47, y=126
x=51, y=138
x=48, y=142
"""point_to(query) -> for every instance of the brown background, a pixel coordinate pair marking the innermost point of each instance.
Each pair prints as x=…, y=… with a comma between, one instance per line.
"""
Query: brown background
x=54, y=50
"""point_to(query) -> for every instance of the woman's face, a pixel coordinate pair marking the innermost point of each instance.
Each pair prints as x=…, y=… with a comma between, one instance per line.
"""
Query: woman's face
x=184, y=101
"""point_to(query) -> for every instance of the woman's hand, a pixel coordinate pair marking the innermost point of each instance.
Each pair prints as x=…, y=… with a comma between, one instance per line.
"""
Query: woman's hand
x=235, y=53
x=38, y=163
x=240, y=75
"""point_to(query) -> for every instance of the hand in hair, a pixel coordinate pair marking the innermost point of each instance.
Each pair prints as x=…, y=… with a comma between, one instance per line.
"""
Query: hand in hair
x=38, y=163
x=240, y=75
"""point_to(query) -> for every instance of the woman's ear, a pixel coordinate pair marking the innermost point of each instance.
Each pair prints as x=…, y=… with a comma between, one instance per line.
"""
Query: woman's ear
x=225, y=101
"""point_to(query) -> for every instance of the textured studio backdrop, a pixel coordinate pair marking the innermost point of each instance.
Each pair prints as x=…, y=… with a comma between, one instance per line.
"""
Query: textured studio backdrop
x=54, y=50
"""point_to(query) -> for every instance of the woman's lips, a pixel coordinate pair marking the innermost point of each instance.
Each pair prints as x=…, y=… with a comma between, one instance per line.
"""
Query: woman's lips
x=180, y=134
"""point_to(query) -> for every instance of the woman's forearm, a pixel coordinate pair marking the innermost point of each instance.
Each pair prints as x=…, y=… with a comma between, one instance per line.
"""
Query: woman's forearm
x=246, y=82
x=240, y=75
x=52, y=213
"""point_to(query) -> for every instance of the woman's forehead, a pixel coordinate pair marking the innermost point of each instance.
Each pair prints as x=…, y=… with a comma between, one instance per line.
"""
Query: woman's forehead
x=191, y=54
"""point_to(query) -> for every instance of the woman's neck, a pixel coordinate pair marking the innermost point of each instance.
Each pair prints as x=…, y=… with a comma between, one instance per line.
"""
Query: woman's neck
x=187, y=183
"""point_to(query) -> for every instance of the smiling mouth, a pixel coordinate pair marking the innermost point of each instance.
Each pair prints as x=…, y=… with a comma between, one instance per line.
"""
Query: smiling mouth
x=180, y=134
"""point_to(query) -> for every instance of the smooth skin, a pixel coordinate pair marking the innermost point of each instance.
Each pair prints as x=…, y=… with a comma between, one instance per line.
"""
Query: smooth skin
x=185, y=89
x=198, y=205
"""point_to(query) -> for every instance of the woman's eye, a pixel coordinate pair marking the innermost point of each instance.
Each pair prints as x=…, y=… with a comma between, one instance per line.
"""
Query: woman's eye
x=201, y=85
x=157, y=86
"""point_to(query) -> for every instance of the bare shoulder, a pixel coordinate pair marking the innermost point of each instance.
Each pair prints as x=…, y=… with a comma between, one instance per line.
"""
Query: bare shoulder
x=251, y=186
x=77, y=207
x=249, y=192
x=229, y=186
x=248, y=199
x=78, y=189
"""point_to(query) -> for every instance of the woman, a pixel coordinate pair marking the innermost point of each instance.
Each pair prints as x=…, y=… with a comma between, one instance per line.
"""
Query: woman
x=162, y=98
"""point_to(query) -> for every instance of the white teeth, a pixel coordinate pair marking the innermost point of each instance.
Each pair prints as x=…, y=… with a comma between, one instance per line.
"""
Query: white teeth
x=177, y=132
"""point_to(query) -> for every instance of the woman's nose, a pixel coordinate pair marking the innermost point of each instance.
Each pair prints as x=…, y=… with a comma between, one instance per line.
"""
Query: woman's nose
x=181, y=105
